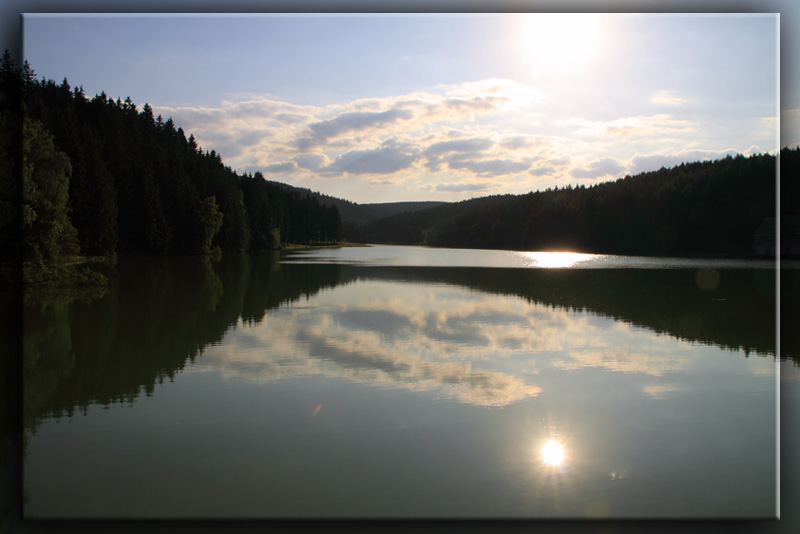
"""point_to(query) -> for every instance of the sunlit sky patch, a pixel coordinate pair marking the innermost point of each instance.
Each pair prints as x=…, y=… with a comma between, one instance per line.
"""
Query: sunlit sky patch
x=379, y=108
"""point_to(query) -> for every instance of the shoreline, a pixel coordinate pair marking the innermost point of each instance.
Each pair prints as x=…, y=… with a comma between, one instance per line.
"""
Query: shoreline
x=343, y=244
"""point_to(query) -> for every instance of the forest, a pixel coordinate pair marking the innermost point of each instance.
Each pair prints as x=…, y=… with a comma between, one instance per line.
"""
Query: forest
x=698, y=208
x=101, y=176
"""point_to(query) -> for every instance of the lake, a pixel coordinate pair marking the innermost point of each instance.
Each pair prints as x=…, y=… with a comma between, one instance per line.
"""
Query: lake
x=397, y=382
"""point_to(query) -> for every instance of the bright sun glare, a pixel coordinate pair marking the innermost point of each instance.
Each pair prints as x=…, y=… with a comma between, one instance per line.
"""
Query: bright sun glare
x=552, y=453
x=554, y=260
x=561, y=41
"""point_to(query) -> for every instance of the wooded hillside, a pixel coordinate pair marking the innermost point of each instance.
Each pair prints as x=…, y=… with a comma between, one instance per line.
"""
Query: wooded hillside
x=705, y=207
x=101, y=176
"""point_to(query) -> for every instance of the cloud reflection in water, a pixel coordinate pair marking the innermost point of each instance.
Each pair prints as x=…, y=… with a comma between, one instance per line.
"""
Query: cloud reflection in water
x=462, y=345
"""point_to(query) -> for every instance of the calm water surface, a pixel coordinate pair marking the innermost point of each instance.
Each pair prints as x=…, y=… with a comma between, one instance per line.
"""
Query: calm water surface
x=405, y=382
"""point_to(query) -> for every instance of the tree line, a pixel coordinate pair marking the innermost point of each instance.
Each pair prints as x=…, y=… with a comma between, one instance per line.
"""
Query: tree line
x=101, y=176
x=704, y=207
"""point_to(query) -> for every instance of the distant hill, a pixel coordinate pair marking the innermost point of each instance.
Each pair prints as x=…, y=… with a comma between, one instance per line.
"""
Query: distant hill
x=352, y=212
x=701, y=208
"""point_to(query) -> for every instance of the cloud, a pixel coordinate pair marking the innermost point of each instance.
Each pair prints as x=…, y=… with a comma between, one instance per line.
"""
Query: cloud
x=252, y=137
x=515, y=142
x=667, y=98
x=630, y=127
x=461, y=187
x=357, y=120
x=478, y=103
x=291, y=118
x=541, y=171
x=548, y=166
x=312, y=162
x=598, y=168
x=488, y=167
x=384, y=160
x=277, y=168
x=311, y=142
x=305, y=143
x=455, y=135
x=256, y=108
x=459, y=145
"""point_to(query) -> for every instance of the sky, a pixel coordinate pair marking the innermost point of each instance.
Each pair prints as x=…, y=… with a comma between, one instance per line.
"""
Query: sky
x=398, y=107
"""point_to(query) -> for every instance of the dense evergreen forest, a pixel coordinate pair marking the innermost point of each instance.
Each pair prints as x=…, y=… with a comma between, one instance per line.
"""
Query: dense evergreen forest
x=706, y=207
x=100, y=176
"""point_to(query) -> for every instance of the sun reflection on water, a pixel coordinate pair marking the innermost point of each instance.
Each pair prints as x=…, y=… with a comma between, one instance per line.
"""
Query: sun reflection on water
x=553, y=453
x=554, y=260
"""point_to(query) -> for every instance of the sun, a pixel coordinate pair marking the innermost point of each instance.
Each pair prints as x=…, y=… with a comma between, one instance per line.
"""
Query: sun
x=560, y=42
x=552, y=453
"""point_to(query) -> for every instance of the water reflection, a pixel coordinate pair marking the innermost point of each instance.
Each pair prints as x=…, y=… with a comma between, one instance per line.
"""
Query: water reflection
x=474, y=348
x=553, y=260
x=552, y=453
x=478, y=336
x=660, y=391
x=388, y=335
x=423, y=388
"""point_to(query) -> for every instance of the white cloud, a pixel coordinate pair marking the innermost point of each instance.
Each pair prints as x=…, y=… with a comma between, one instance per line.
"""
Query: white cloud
x=668, y=98
x=459, y=145
x=446, y=140
x=630, y=127
x=598, y=168
x=488, y=167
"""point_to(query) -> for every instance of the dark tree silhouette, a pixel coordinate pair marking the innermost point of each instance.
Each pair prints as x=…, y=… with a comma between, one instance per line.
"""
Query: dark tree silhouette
x=136, y=184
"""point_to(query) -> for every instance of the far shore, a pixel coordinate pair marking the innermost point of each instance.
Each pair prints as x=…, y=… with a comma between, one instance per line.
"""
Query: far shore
x=343, y=244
